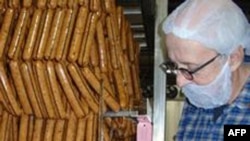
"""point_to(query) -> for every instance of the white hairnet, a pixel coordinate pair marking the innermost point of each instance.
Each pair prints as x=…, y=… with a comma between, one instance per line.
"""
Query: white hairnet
x=217, y=24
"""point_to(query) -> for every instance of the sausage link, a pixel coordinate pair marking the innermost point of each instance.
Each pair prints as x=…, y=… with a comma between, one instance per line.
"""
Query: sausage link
x=59, y=130
x=5, y=29
x=101, y=47
x=123, y=98
x=2, y=5
x=38, y=129
x=32, y=94
x=64, y=33
x=16, y=3
x=44, y=89
x=45, y=34
x=62, y=3
x=27, y=3
x=23, y=129
x=49, y=129
x=94, y=56
x=5, y=121
x=19, y=85
x=77, y=78
x=77, y=36
x=130, y=46
x=53, y=83
x=71, y=130
x=112, y=46
x=90, y=39
x=136, y=84
x=70, y=32
x=32, y=36
x=95, y=5
x=81, y=129
x=54, y=34
x=41, y=4
x=90, y=123
x=52, y=4
x=69, y=93
x=9, y=90
x=95, y=84
x=19, y=29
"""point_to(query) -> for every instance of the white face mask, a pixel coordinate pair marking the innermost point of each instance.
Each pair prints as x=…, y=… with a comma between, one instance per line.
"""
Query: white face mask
x=212, y=95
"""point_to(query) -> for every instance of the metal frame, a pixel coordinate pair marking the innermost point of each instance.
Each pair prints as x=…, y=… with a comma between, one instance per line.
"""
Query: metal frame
x=159, y=104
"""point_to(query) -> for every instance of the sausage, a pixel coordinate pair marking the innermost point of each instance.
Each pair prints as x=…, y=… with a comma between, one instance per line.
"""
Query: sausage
x=127, y=70
x=123, y=33
x=81, y=129
x=5, y=100
x=90, y=39
x=9, y=93
x=108, y=5
x=32, y=36
x=93, y=81
x=71, y=130
x=101, y=47
x=107, y=84
x=30, y=127
x=5, y=29
x=85, y=37
x=64, y=33
x=94, y=57
x=53, y=83
x=130, y=46
x=23, y=129
x=106, y=133
x=52, y=4
x=1, y=5
x=15, y=128
x=45, y=34
x=119, y=11
x=135, y=79
x=41, y=4
x=16, y=39
x=69, y=36
x=4, y=126
x=77, y=78
x=95, y=5
x=70, y=3
x=18, y=83
x=15, y=4
x=49, y=129
x=66, y=85
x=38, y=129
x=84, y=105
x=27, y=3
x=62, y=3
x=54, y=34
x=44, y=89
x=84, y=3
x=112, y=47
x=89, y=126
x=58, y=34
x=32, y=94
x=59, y=130
x=77, y=36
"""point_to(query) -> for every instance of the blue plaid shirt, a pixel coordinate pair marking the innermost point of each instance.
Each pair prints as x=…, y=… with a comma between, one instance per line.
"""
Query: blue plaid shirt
x=197, y=124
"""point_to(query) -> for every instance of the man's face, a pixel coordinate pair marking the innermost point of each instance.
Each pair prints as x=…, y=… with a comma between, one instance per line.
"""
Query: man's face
x=190, y=55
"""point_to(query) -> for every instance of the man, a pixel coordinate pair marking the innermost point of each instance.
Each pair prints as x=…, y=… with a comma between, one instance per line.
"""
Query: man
x=206, y=42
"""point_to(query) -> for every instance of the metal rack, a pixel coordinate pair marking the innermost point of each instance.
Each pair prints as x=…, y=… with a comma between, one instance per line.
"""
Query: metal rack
x=159, y=105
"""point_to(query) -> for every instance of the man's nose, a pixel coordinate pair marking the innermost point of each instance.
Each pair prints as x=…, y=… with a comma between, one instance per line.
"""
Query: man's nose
x=181, y=80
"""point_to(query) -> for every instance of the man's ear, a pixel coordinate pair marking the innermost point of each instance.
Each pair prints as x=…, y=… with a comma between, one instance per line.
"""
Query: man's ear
x=236, y=58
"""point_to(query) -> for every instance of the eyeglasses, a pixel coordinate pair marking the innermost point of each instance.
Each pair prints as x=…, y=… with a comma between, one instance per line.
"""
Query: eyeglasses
x=171, y=68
